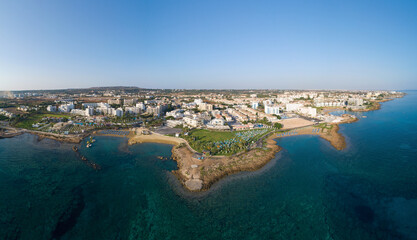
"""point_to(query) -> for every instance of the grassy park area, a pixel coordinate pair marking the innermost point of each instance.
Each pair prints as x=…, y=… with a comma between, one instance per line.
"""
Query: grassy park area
x=223, y=143
x=27, y=121
x=324, y=127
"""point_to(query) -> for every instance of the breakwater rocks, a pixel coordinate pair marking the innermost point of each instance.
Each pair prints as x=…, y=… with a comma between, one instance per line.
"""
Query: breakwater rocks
x=91, y=164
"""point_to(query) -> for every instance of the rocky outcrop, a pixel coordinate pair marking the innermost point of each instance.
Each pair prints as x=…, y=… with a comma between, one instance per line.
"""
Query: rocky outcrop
x=59, y=137
x=199, y=175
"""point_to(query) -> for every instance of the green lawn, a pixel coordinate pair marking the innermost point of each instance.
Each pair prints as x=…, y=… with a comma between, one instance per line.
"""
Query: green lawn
x=324, y=126
x=201, y=140
x=211, y=136
x=27, y=122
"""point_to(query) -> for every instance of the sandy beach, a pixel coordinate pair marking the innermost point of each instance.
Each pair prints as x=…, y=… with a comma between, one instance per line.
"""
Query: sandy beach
x=295, y=123
x=155, y=138
x=329, y=133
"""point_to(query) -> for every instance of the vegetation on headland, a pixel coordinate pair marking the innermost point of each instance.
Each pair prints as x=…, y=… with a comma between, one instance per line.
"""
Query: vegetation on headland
x=27, y=121
x=324, y=126
x=223, y=143
x=197, y=175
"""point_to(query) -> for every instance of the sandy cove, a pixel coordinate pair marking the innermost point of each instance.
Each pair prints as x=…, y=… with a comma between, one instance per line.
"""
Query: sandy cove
x=330, y=134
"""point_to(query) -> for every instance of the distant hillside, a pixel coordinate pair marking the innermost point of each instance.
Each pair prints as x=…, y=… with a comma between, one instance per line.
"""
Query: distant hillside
x=114, y=88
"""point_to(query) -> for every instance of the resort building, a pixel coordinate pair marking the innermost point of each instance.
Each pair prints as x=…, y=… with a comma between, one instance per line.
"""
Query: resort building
x=193, y=121
x=293, y=107
x=117, y=101
x=217, y=123
x=272, y=109
x=118, y=112
x=198, y=101
x=6, y=113
x=227, y=116
x=355, y=101
x=89, y=111
x=66, y=107
x=23, y=108
x=94, y=105
x=308, y=111
x=205, y=107
x=105, y=110
x=157, y=110
x=177, y=113
x=51, y=108
x=133, y=110
x=130, y=102
x=141, y=106
x=267, y=102
x=174, y=123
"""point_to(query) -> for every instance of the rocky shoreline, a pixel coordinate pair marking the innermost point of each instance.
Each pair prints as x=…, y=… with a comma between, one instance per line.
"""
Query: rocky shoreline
x=59, y=137
x=42, y=135
x=336, y=139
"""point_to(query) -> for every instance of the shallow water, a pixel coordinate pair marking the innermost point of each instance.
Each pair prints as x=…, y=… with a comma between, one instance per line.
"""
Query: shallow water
x=310, y=191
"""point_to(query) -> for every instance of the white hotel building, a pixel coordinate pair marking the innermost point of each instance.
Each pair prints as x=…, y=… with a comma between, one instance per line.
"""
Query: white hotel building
x=272, y=109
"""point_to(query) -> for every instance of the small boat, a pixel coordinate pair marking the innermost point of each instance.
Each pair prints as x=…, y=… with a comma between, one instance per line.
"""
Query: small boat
x=83, y=158
x=75, y=149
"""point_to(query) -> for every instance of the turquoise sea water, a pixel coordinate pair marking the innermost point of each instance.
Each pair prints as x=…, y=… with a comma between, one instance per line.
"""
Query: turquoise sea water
x=309, y=191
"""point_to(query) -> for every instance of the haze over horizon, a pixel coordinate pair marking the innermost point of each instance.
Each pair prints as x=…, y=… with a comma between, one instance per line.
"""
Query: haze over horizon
x=231, y=89
x=368, y=45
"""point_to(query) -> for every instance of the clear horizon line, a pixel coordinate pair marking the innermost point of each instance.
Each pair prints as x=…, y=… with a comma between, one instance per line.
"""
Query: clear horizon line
x=190, y=89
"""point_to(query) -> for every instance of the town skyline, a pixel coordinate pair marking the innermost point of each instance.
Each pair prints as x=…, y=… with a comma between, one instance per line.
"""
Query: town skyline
x=206, y=89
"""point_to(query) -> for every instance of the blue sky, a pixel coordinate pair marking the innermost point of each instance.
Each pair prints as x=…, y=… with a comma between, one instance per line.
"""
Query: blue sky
x=208, y=44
